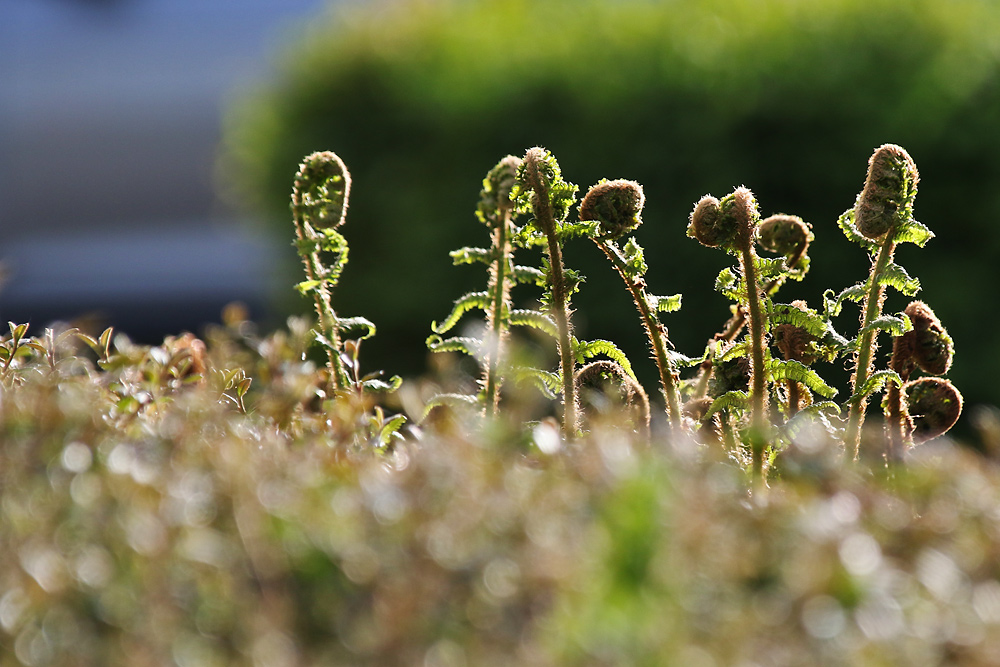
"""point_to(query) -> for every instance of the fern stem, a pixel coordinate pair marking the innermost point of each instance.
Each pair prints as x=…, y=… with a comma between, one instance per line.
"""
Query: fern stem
x=867, y=345
x=542, y=209
x=898, y=436
x=500, y=287
x=794, y=397
x=654, y=329
x=316, y=271
x=758, y=395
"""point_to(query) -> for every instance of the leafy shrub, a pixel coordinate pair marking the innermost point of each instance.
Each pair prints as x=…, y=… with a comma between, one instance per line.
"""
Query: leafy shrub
x=148, y=520
x=684, y=96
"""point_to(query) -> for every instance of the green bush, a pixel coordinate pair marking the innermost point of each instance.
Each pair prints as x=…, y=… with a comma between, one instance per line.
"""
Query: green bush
x=685, y=97
x=157, y=510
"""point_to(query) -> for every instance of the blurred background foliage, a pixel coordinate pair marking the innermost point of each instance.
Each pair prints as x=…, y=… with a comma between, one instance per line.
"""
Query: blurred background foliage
x=685, y=96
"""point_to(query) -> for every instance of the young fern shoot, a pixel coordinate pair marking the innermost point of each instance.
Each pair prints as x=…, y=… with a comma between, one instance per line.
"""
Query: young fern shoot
x=616, y=207
x=319, y=207
x=929, y=348
x=731, y=224
x=881, y=219
x=541, y=189
x=497, y=212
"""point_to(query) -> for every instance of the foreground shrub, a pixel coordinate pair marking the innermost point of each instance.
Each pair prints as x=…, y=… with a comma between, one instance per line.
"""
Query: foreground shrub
x=147, y=520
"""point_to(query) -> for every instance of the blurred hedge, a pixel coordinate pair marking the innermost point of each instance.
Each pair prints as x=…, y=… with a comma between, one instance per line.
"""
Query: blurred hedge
x=687, y=97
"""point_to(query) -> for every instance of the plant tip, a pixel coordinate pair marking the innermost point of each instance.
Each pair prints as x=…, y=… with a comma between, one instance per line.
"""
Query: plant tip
x=616, y=205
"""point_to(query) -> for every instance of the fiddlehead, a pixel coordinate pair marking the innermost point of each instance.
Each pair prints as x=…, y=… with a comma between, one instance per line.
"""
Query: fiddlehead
x=616, y=207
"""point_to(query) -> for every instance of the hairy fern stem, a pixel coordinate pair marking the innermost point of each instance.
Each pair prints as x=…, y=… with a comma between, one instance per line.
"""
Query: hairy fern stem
x=758, y=374
x=867, y=344
x=654, y=329
x=496, y=315
x=542, y=210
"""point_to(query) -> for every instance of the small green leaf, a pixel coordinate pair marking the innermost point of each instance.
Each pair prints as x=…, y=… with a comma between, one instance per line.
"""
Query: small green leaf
x=307, y=286
x=243, y=386
x=679, y=360
x=391, y=429
x=771, y=267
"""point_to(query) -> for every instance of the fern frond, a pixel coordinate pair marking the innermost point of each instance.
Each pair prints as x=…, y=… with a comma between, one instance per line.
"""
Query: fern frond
x=331, y=241
x=462, y=305
x=781, y=370
x=390, y=429
x=632, y=255
x=912, y=231
x=533, y=318
x=664, y=304
x=896, y=276
x=808, y=319
x=728, y=284
x=449, y=400
x=529, y=275
x=470, y=346
x=349, y=323
x=731, y=400
x=736, y=351
x=591, y=348
x=832, y=305
x=545, y=381
x=846, y=224
x=771, y=267
x=679, y=360
x=570, y=230
x=472, y=255
x=894, y=325
x=875, y=383
x=379, y=386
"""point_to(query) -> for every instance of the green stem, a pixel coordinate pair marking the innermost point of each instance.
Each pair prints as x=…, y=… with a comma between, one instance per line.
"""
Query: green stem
x=654, y=329
x=758, y=393
x=867, y=345
x=324, y=309
x=794, y=398
x=496, y=324
x=542, y=209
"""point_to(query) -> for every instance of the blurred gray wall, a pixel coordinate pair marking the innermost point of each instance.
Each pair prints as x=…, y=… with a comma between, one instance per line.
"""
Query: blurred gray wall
x=110, y=114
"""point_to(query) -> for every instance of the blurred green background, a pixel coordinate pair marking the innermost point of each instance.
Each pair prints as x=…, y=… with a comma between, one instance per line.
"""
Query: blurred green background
x=686, y=96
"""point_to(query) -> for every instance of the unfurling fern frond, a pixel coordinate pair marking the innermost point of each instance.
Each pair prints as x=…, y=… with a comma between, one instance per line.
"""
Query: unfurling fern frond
x=461, y=306
x=589, y=349
x=782, y=370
